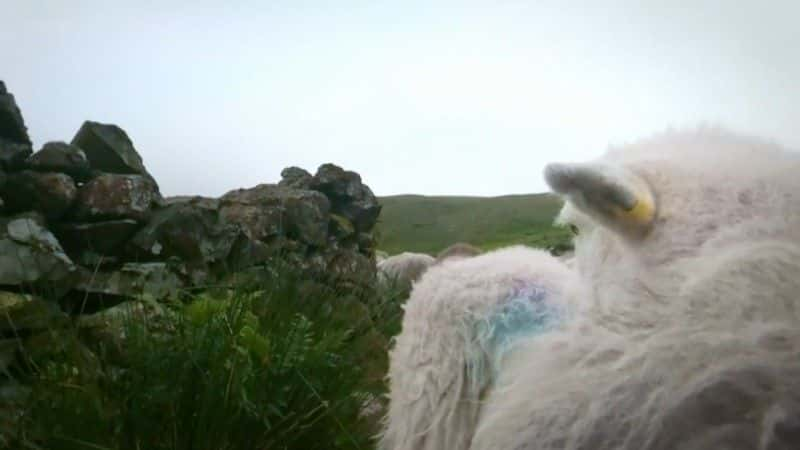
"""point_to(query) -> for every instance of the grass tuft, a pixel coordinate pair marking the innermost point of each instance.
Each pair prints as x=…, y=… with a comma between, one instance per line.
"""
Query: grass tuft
x=285, y=364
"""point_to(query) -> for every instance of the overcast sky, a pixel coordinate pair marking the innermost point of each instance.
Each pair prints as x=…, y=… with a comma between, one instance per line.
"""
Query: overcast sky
x=428, y=97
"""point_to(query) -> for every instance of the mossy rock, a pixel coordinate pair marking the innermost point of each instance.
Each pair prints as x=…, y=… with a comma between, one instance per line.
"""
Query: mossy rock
x=23, y=312
x=341, y=227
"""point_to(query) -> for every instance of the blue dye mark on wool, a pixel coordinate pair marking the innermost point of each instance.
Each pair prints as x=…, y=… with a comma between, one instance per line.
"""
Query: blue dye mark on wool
x=525, y=312
x=528, y=310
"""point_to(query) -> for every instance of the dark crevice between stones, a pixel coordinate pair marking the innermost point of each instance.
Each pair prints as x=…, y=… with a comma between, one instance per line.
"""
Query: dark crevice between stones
x=81, y=303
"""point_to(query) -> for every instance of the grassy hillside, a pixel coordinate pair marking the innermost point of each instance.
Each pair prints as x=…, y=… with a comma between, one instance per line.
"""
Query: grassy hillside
x=429, y=224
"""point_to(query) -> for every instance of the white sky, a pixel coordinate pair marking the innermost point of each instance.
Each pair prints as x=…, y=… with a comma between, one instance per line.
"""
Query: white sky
x=428, y=97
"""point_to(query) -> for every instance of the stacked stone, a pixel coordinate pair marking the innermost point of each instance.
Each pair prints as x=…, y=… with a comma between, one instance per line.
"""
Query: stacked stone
x=84, y=223
x=85, y=232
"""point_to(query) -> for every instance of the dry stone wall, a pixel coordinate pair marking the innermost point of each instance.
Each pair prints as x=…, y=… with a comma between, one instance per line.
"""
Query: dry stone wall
x=85, y=224
x=86, y=237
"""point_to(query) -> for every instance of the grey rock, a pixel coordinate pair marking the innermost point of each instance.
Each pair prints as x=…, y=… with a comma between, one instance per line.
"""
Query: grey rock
x=269, y=210
x=94, y=260
x=13, y=154
x=349, y=197
x=133, y=280
x=340, y=227
x=50, y=193
x=30, y=254
x=192, y=231
x=36, y=216
x=114, y=318
x=205, y=202
x=350, y=270
x=22, y=312
x=103, y=238
x=59, y=156
x=366, y=242
x=295, y=177
x=113, y=196
x=247, y=252
x=12, y=125
x=106, y=329
x=109, y=149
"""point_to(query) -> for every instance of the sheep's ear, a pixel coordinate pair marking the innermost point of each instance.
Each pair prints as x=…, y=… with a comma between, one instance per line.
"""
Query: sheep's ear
x=613, y=196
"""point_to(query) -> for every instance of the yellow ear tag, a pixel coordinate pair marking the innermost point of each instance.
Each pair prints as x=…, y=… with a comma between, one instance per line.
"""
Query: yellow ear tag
x=642, y=212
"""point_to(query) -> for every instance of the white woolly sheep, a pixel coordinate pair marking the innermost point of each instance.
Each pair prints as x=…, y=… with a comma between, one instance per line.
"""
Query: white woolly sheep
x=457, y=251
x=678, y=328
x=406, y=267
x=380, y=256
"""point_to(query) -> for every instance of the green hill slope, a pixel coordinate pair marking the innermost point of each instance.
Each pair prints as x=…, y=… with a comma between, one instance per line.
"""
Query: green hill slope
x=429, y=224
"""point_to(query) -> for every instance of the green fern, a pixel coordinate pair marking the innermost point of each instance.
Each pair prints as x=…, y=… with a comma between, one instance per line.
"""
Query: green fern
x=285, y=364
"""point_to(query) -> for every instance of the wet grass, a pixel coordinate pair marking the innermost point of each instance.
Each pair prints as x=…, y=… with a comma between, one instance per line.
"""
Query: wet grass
x=284, y=363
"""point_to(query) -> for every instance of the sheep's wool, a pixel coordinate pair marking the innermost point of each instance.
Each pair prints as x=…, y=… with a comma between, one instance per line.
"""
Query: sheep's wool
x=526, y=311
x=675, y=326
x=405, y=267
